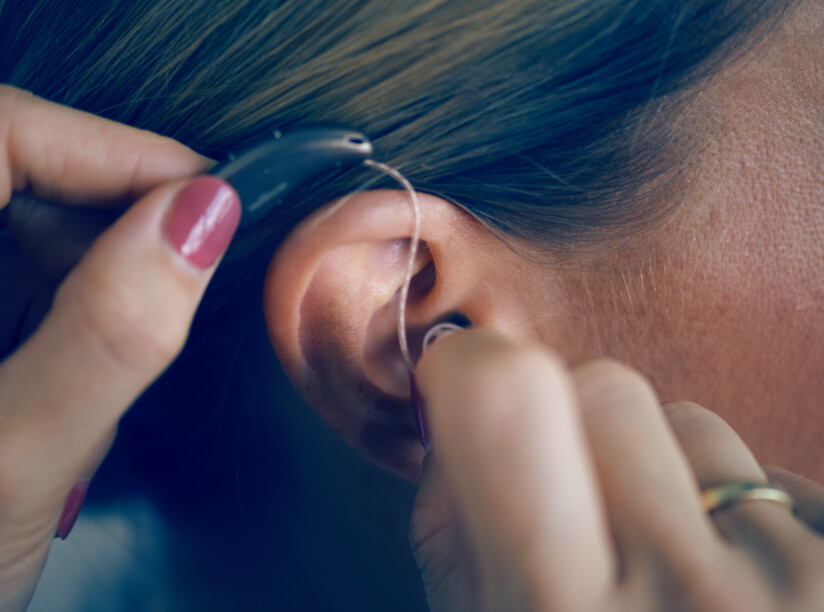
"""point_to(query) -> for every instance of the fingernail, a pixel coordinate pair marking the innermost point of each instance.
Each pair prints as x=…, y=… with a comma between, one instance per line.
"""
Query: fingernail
x=203, y=220
x=419, y=409
x=71, y=510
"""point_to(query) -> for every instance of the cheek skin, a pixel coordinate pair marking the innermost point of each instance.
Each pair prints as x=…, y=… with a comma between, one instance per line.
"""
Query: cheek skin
x=725, y=306
x=736, y=325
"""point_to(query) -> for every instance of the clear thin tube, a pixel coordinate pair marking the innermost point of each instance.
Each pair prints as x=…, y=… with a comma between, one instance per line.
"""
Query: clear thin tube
x=413, y=246
x=413, y=254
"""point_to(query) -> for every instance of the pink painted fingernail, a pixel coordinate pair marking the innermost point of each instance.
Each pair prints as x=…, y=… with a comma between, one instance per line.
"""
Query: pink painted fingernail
x=71, y=510
x=203, y=220
x=419, y=408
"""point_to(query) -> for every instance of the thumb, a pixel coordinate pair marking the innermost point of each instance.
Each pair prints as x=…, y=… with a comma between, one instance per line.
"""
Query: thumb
x=439, y=544
x=117, y=322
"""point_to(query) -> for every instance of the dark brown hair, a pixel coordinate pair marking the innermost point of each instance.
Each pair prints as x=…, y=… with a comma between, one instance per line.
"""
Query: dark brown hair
x=551, y=121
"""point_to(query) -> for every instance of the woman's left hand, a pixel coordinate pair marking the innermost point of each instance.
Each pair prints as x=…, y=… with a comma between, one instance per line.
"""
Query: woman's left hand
x=574, y=490
x=117, y=321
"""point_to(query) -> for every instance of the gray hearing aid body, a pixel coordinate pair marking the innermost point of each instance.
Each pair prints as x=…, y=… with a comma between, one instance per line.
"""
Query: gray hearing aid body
x=266, y=173
x=54, y=237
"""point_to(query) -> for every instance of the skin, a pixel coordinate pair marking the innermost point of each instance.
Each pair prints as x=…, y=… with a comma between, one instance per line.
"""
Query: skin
x=734, y=287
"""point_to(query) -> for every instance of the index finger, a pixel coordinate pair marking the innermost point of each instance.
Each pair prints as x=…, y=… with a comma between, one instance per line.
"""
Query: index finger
x=507, y=432
x=66, y=155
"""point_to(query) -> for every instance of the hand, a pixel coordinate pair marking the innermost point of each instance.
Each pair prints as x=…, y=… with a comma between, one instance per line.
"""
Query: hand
x=117, y=321
x=574, y=490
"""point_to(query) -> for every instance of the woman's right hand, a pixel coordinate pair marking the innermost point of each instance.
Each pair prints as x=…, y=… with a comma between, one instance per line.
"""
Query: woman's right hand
x=550, y=488
x=116, y=322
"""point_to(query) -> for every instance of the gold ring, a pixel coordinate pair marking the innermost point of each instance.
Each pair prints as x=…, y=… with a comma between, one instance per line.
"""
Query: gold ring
x=722, y=496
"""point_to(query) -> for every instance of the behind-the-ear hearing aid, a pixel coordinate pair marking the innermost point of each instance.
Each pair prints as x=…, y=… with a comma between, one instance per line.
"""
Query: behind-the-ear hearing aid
x=54, y=237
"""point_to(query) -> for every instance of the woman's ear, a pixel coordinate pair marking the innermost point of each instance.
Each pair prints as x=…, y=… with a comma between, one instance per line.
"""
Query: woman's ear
x=331, y=300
